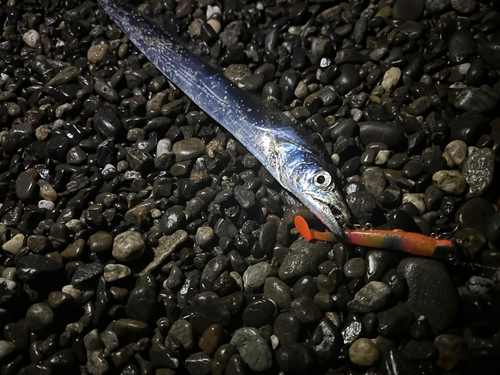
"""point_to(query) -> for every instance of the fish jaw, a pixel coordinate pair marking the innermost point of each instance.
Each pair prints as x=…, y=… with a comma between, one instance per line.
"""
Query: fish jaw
x=319, y=187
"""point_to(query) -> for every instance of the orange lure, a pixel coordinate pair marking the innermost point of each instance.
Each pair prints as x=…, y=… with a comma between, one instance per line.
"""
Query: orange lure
x=412, y=243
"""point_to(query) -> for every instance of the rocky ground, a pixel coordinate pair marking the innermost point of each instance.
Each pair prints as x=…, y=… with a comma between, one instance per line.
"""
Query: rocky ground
x=138, y=237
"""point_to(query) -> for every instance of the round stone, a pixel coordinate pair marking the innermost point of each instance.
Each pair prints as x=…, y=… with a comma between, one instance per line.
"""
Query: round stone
x=96, y=52
x=39, y=316
x=128, y=246
x=31, y=37
x=188, y=149
x=451, y=182
x=114, y=272
x=100, y=242
x=48, y=193
x=363, y=352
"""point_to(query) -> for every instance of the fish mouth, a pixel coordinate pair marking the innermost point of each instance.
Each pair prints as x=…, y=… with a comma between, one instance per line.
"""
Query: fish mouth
x=336, y=217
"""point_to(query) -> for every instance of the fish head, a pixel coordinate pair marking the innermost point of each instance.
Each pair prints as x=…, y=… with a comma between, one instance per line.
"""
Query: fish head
x=319, y=187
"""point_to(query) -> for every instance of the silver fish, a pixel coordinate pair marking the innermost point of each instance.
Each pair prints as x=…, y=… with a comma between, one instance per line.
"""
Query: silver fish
x=266, y=133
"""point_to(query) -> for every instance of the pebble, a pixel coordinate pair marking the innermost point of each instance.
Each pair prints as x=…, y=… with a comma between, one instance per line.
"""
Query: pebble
x=100, y=242
x=431, y=292
x=96, y=53
x=47, y=192
x=474, y=213
x=449, y=347
x=198, y=364
x=6, y=348
x=115, y=272
x=129, y=330
x=396, y=321
x=391, y=78
x=478, y=171
x=31, y=38
x=14, y=244
x=87, y=275
x=39, y=271
x=326, y=341
x=302, y=258
x=457, y=150
x=374, y=180
x=188, y=149
x=253, y=348
x=465, y=6
x=128, y=246
x=477, y=100
x=364, y=353
x=25, y=186
x=106, y=122
x=451, y=182
x=306, y=310
x=258, y=313
x=212, y=305
x=371, y=297
x=39, y=317
x=9, y=289
x=373, y=131
x=354, y=268
x=255, y=276
x=295, y=358
x=278, y=292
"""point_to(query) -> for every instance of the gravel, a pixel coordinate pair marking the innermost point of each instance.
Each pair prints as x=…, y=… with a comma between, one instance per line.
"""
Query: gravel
x=138, y=237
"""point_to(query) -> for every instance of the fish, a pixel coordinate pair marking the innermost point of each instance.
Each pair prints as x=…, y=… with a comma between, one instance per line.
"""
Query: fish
x=267, y=133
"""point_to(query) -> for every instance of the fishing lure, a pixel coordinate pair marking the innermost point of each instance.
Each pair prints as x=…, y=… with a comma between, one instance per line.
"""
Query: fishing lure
x=268, y=134
x=412, y=243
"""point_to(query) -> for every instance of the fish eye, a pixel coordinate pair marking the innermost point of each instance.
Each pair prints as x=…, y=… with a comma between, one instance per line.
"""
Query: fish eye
x=322, y=179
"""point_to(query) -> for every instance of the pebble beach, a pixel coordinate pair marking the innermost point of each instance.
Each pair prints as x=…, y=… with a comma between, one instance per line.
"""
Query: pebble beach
x=138, y=237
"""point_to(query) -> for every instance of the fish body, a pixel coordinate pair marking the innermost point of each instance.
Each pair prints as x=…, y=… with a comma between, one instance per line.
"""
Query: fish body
x=267, y=134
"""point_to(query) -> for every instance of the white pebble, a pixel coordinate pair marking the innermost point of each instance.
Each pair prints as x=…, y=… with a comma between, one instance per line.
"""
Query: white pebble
x=14, y=244
x=9, y=273
x=211, y=10
x=155, y=213
x=259, y=6
x=382, y=157
x=356, y=114
x=108, y=167
x=6, y=348
x=417, y=200
x=325, y=62
x=164, y=146
x=463, y=68
x=31, y=37
x=335, y=159
x=391, y=78
x=45, y=204
x=78, y=295
x=457, y=150
x=275, y=341
x=451, y=182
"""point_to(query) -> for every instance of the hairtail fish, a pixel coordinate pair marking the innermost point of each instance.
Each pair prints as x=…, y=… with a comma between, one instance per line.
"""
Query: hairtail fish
x=267, y=134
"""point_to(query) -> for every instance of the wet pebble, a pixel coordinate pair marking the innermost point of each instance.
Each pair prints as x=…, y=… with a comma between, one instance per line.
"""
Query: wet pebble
x=128, y=246
x=478, y=171
x=371, y=297
x=253, y=349
x=431, y=292
x=363, y=352
x=451, y=182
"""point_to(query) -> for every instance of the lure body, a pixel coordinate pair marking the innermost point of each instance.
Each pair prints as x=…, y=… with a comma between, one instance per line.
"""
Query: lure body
x=267, y=134
x=412, y=243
